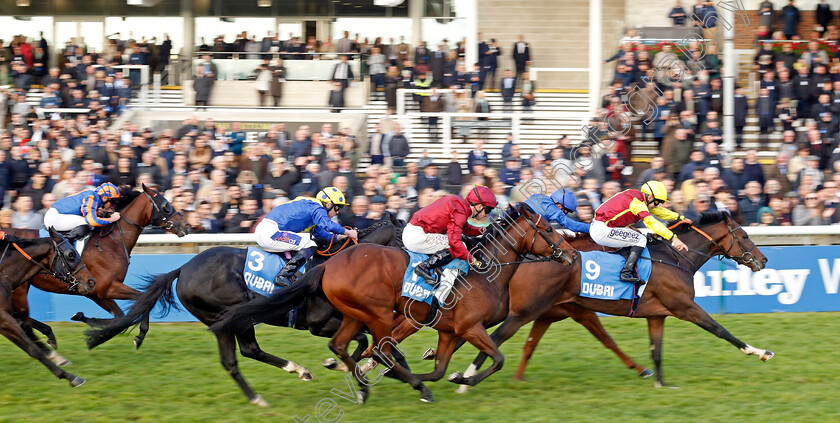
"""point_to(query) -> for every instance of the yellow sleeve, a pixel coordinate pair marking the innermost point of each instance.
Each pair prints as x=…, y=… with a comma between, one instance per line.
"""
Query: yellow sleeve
x=636, y=207
x=657, y=227
x=665, y=214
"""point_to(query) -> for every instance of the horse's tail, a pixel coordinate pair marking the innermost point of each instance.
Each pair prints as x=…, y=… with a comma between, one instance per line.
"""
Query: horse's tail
x=244, y=315
x=158, y=290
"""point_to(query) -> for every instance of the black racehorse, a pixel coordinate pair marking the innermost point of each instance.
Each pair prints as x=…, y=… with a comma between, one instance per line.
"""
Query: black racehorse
x=212, y=281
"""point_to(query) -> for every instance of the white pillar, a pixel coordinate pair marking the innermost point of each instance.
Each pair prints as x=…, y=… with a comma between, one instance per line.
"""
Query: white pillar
x=415, y=12
x=189, y=40
x=471, y=17
x=594, y=54
x=730, y=73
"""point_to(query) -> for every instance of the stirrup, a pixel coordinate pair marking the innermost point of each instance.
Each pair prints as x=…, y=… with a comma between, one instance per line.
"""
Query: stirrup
x=630, y=276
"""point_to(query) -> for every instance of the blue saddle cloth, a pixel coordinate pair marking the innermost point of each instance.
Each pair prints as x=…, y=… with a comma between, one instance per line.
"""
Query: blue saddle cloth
x=261, y=268
x=599, y=275
x=417, y=288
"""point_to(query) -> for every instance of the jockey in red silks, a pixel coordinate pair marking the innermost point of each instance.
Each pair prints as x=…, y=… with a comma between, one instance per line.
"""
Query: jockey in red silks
x=437, y=229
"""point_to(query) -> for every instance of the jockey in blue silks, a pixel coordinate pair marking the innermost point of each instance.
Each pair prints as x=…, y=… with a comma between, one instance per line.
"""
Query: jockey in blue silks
x=556, y=206
x=292, y=225
x=77, y=213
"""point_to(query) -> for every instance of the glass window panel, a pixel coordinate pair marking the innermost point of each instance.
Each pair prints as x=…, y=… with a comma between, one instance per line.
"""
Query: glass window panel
x=371, y=28
x=148, y=27
x=92, y=34
x=9, y=27
x=434, y=32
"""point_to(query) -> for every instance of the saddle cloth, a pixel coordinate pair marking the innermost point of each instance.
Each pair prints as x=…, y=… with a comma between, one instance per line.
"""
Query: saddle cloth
x=261, y=268
x=418, y=289
x=599, y=275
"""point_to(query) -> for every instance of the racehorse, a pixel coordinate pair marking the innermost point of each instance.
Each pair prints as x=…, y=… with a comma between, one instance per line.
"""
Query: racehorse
x=364, y=284
x=107, y=255
x=29, y=257
x=669, y=292
x=212, y=281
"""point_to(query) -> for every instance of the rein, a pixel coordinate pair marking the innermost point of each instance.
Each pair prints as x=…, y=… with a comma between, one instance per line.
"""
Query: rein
x=746, y=257
x=69, y=278
x=326, y=252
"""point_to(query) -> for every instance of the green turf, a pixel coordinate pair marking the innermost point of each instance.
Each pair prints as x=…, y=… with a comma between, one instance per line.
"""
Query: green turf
x=177, y=377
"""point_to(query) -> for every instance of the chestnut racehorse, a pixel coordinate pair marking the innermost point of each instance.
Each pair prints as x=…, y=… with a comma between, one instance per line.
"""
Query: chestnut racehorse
x=365, y=285
x=669, y=292
x=107, y=254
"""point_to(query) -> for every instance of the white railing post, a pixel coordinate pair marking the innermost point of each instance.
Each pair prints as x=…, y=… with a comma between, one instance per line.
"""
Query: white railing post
x=157, y=98
x=447, y=135
x=400, y=102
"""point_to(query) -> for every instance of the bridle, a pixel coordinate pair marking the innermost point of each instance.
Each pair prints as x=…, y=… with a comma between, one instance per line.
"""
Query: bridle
x=746, y=258
x=68, y=272
x=557, y=252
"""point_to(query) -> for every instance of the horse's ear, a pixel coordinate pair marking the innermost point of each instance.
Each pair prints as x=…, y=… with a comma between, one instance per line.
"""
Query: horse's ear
x=513, y=211
x=55, y=235
x=147, y=190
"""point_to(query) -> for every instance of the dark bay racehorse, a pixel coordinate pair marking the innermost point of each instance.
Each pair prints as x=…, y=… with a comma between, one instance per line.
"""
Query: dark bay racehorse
x=365, y=284
x=212, y=281
x=24, y=260
x=669, y=292
x=107, y=255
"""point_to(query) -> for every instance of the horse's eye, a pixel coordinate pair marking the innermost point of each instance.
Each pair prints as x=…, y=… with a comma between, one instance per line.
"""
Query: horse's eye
x=745, y=236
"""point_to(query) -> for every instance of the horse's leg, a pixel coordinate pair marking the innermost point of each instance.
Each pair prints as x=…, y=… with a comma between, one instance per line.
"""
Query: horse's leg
x=656, y=328
x=477, y=336
x=445, y=349
x=592, y=323
x=144, y=329
x=249, y=347
x=227, y=354
x=107, y=304
x=338, y=345
x=693, y=313
x=27, y=324
x=10, y=328
x=46, y=330
x=381, y=329
x=537, y=331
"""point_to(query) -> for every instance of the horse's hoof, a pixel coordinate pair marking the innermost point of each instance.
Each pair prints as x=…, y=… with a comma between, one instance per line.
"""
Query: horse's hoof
x=646, y=373
x=53, y=344
x=430, y=354
x=78, y=317
x=456, y=378
x=330, y=363
x=77, y=381
x=463, y=389
x=427, y=397
x=362, y=396
x=306, y=376
x=259, y=401
x=518, y=377
x=657, y=384
x=138, y=341
x=767, y=355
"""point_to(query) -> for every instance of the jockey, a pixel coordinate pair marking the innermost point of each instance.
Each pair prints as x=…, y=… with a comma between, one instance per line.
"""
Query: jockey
x=78, y=213
x=291, y=225
x=556, y=206
x=626, y=208
x=436, y=229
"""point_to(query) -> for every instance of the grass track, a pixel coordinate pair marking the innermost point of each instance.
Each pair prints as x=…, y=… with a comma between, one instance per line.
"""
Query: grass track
x=572, y=378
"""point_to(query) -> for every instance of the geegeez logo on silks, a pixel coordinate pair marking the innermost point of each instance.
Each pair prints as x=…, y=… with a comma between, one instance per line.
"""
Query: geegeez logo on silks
x=615, y=233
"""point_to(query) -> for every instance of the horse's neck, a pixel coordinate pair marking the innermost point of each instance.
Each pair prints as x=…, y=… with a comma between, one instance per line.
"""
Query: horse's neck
x=502, y=255
x=128, y=233
x=18, y=267
x=700, y=249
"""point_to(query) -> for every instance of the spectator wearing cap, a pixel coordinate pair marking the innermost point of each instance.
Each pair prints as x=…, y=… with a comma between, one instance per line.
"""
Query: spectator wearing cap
x=377, y=209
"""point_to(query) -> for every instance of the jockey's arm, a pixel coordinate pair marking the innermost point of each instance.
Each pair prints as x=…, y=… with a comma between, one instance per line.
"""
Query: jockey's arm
x=89, y=209
x=471, y=230
x=454, y=232
x=324, y=226
x=640, y=209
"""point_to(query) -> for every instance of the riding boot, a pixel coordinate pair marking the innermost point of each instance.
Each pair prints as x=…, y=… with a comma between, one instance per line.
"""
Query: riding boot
x=628, y=273
x=77, y=236
x=426, y=269
x=284, y=278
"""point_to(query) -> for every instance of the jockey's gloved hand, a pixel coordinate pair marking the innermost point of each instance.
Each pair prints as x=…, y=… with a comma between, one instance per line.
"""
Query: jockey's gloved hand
x=652, y=237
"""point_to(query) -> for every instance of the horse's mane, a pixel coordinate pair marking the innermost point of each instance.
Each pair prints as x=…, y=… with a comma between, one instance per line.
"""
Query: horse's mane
x=127, y=195
x=707, y=218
